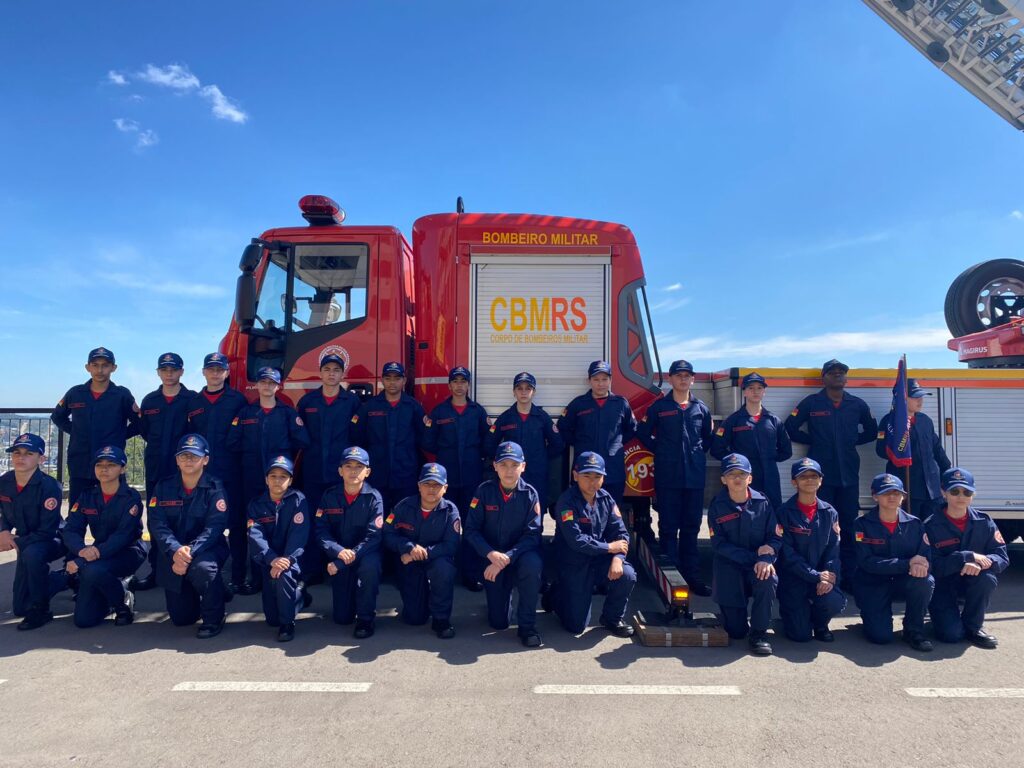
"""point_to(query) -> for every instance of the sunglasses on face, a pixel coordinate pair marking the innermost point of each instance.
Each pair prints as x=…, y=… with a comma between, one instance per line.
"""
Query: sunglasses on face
x=958, y=491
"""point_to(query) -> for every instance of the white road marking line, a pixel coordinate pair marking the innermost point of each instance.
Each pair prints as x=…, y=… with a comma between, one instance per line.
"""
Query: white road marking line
x=967, y=693
x=640, y=690
x=2, y=682
x=228, y=685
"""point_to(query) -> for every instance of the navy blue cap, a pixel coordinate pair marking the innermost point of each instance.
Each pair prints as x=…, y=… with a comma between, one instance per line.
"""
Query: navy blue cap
x=524, y=376
x=736, y=461
x=459, y=370
x=884, y=483
x=805, y=464
x=509, y=450
x=34, y=443
x=194, y=444
x=392, y=368
x=955, y=477
x=355, y=453
x=588, y=461
x=215, y=360
x=269, y=373
x=111, y=453
x=753, y=378
x=281, y=462
x=680, y=366
x=916, y=390
x=833, y=363
x=433, y=472
x=599, y=366
x=170, y=360
x=101, y=353
x=332, y=358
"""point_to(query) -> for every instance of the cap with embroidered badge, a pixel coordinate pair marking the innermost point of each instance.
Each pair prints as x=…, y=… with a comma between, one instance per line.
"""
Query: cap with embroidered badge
x=956, y=477
x=885, y=483
x=433, y=473
x=101, y=353
x=393, y=368
x=355, y=453
x=459, y=371
x=216, y=360
x=833, y=363
x=332, y=358
x=32, y=442
x=111, y=453
x=170, y=360
x=269, y=373
x=805, y=464
x=525, y=377
x=509, y=450
x=194, y=444
x=753, y=378
x=599, y=366
x=588, y=461
x=914, y=389
x=680, y=366
x=736, y=462
x=281, y=462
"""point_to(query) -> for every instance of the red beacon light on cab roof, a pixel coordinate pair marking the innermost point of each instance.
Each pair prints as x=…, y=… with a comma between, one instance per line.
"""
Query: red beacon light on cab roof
x=321, y=211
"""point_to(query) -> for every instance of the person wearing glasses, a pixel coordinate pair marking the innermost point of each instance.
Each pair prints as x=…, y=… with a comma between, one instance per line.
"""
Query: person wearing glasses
x=967, y=553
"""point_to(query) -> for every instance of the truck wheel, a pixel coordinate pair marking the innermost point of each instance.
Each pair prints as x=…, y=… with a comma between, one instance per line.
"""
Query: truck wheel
x=1011, y=529
x=984, y=296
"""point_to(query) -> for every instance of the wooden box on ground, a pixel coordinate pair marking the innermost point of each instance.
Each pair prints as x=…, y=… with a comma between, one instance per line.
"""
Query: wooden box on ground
x=703, y=631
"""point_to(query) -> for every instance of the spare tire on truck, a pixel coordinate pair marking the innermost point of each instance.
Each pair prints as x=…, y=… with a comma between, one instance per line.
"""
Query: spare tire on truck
x=985, y=296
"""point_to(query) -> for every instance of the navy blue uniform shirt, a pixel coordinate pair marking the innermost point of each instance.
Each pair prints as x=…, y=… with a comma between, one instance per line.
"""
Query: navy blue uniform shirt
x=539, y=438
x=809, y=546
x=258, y=437
x=585, y=530
x=213, y=420
x=33, y=514
x=115, y=525
x=438, y=532
x=951, y=549
x=457, y=440
x=679, y=436
x=162, y=425
x=929, y=457
x=195, y=519
x=833, y=434
x=511, y=526
x=881, y=553
x=95, y=423
x=392, y=435
x=328, y=426
x=603, y=429
x=764, y=441
x=343, y=525
x=278, y=528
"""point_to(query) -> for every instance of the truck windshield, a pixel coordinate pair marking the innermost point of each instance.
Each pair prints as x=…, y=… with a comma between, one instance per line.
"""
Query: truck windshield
x=327, y=286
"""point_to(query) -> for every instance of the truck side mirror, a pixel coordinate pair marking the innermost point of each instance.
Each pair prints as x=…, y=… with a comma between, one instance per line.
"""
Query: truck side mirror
x=245, y=301
x=251, y=257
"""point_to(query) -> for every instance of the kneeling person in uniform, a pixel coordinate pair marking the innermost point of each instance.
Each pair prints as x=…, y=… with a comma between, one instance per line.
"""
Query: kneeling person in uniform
x=188, y=516
x=278, y=523
x=112, y=512
x=892, y=564
x=809, y=566
x=503, y=526
x=591, y=544
x=424, y=531
x=745, y=541
x=30, y=524
x=348, y=529
x=968, y=553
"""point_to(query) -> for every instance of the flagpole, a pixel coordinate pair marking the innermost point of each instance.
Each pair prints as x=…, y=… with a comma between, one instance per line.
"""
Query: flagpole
x=906, y=469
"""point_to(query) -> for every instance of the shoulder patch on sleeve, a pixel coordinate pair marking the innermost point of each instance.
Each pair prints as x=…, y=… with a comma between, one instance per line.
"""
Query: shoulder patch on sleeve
x=134, y=511
x=794, y=412
x=859, y=536
x=554, y=427
x=835, y=527
x=222, y=506
x=615, y=510
x=379, y=521
x=355, y=418
x=493, y=427
x=924, y=538
x=999, y=537
x=250, y=523
x=51, y=503
x=720, y=431
x=298, y=420
x=320, y=513
x=234, y=422
x=152, y=502
x=426, y=421
x=567, y=516
x=391, y=518
x=74, y=508
x=778, y=529
x=474, y=502
x=457, y=525
x=299, y=518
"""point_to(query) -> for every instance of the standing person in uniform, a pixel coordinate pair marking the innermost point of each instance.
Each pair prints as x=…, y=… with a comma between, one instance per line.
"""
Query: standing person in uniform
x=968, y=552
x=591, y=544
x=95, y=414
x=745, y=539
x=833, y=423
x=929, y=457
x=601, y=422
x=163, y=422
x=260, y=432
x=279, y=525
x=30, y=524
x=211, y=412
x=758, y=434
x=530, y=427
x=892, y=564
x=348, y=529
x=424, y=531
x=112, y=513
x=677, y=430
x=455, y=434
x=504, y=525
x=390, y=426
x=327, y=412
x=189, y=513
x=809, y=566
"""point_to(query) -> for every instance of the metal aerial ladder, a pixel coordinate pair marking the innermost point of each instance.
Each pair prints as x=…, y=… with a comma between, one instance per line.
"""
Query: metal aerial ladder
x=979, y=43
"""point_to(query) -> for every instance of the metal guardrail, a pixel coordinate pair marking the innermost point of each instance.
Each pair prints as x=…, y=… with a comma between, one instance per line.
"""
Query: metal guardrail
x=17, y=421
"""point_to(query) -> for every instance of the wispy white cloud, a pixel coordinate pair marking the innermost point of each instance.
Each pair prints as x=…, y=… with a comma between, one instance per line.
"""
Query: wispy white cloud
x=175, y=76
x=116, y=78
x=673, y=287
x=144, y=137
x=223, y=107
x=841, y=243
x=1017, y=215
x=670, y=304
x=171, y=287
x=179, y=78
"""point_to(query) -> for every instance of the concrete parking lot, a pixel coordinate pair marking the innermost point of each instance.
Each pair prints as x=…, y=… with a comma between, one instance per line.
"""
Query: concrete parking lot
x=140, y=695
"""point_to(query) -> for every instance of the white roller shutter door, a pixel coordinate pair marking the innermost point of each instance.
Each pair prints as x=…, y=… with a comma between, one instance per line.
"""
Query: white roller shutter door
x=989, y=426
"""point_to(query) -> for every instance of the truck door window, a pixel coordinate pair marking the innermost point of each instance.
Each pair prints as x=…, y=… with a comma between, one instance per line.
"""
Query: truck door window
x=270, y=309
x=330, y=285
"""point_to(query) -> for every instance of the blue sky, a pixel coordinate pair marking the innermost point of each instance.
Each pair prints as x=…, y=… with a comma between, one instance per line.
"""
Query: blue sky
x=783, y=166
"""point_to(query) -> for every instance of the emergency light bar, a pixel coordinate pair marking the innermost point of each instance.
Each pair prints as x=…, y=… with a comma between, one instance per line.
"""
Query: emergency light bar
x=321, y=211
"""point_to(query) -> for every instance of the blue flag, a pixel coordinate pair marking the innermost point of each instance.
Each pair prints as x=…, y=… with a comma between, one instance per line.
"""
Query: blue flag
x=897, y=433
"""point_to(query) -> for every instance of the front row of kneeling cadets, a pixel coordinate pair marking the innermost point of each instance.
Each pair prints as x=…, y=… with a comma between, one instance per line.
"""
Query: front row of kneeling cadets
x=759, y=554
